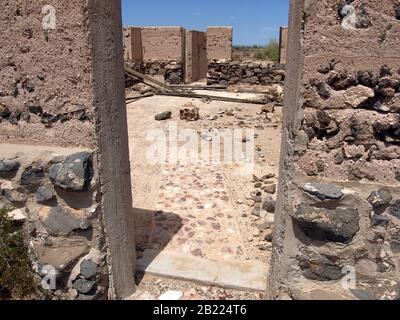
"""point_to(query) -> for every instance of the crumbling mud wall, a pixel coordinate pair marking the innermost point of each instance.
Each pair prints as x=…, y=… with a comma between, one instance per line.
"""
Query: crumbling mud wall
x=219, y=43
x=64, y=165
x=254, y=73
x=195, y=56
x=338, y=221
x=133, y=44
x=283, y=39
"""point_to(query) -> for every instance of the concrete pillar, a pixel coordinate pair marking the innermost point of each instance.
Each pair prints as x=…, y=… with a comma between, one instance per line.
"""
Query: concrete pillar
x=337, y=220
x=283, y=39
x=219, y=43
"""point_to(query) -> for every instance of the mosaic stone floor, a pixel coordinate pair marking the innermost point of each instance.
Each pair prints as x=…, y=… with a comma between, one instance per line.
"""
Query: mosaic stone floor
x=195, y=215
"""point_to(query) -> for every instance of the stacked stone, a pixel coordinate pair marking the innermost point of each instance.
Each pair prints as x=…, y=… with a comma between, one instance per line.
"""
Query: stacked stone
x=234, y=72
x=53, y=198
x=341, y=184
x=172, y=71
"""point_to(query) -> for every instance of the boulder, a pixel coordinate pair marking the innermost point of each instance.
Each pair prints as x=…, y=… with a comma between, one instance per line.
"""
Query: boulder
x=394, y=209
x=189, y=113
x=163, y=116
x=380, y=198
x=269, y=205
x=89, y=269
x=62, y=221
x=45, y=193
x=355, y=96
x=74, y=174
x=9, y=165
x=338, y=225
x=323, y=191
x=32, y=176
x=84, y=286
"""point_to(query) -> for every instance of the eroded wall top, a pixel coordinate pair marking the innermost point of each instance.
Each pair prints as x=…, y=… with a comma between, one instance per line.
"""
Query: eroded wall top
x=219, y=43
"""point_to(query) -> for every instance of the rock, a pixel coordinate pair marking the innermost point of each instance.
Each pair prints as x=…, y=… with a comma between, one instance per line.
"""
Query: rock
x=339, y=225
x=74, y=174
x=45, y=193
x=355, y=96
x=62, y=221
x=89, y=269
x=363, y=295
x=271, y=189
x=397, y=12
x=31, y=177
x=163, y=116
x=17, y=216
x=9, y=165
x=269, y=235
x=189, y=113
x=394, y=209
x=84, y=286
x=379, y=220
x=380, y=198
x=324, y=191
x=269, y=205
x=256, y=212
x=362, y=20
x=339, y=157
x=14, y=196
x=61, y=257
x=319, y=267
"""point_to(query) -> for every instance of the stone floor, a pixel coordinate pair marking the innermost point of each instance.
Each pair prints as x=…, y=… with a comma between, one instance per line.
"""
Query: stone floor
x=195, y=214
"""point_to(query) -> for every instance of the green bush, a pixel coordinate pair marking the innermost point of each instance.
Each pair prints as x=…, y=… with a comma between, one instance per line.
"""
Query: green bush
x=16, y=275
x=269, y=52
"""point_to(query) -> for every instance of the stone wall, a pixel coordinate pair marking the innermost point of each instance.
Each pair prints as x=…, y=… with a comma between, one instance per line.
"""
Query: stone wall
x=234, y=72
x=58, y=89
x=169, y=70
x=195, y=56
x=338, y=206
x=283, y=39
x=219, y=43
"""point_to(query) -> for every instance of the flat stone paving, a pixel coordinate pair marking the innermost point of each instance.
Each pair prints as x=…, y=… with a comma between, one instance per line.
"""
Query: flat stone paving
x=195, y=214
x=235, y=274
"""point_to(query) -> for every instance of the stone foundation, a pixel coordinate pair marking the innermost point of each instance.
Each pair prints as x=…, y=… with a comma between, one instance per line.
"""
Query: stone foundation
x=170, y=71
x=234, y=72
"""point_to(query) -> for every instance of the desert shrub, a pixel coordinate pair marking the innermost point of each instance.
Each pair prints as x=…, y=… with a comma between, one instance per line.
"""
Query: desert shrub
x=16, y=275
x=269, y=52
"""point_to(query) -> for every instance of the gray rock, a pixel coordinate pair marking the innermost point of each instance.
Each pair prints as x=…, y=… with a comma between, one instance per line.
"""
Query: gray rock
x=45, y=193
x=380, y=198
x=84, y=286
x=394, y=209
x=163, y=116
x=362, y=17
x=269, y=205
x=379, y=220
x=14, y=196
x=324, y=191
x=256, y=212
x=363, y=295
x=89, y=269
x=62, y=221
x=32, y=176
x=74, y=174
x=339, y=225
x=319, y=267
x=9, y=165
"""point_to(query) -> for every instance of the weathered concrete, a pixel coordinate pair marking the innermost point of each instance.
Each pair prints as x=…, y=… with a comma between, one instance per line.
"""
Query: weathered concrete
x=219, y=43
x=335, y=133
x=235, y=274
x=195, y=56
x=283, y=39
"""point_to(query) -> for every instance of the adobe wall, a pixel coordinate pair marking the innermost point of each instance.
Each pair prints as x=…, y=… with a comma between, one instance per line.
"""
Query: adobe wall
x=219, y=43
x=283, y=39
x=339, y=199
x=195, y=56
x=133, y=44
x=67, y=179
x=163, y=43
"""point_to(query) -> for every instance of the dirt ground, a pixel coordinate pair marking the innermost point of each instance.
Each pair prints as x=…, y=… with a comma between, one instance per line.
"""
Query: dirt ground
x=203, y=209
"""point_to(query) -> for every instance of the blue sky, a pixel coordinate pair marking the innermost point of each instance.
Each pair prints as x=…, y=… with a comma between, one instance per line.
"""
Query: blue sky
x=253, y=21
